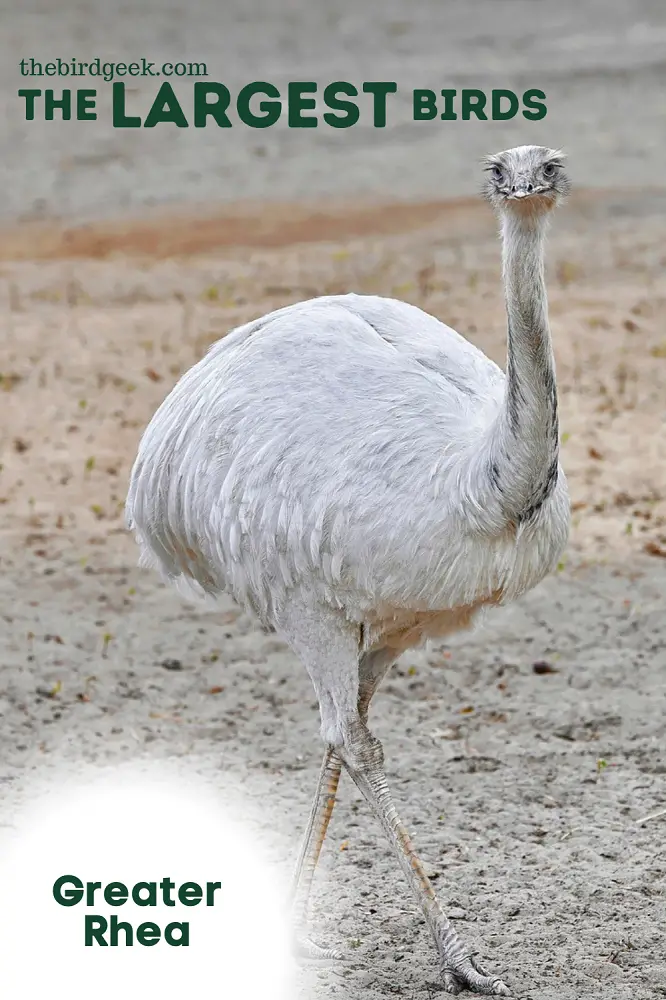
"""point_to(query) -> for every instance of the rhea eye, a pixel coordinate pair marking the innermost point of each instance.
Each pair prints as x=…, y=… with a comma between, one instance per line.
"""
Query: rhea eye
x=549, y=170
x=497, y=174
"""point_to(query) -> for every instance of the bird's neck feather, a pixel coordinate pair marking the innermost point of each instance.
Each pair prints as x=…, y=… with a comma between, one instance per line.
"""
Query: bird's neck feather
x=526, y=437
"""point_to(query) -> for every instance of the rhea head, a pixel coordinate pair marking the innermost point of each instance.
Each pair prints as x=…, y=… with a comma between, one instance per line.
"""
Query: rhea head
x=526, y=180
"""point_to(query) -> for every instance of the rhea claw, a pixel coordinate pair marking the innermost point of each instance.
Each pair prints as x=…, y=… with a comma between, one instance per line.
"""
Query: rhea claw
x=468, y=975
x=306, y=949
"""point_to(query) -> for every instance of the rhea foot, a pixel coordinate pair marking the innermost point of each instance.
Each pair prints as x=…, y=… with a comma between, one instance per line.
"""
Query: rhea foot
x=306, y=949
x=466, y=974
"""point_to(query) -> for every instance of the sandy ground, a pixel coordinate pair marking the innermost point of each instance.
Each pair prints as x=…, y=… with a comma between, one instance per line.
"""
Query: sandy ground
x=533, y=843
x=499, y=769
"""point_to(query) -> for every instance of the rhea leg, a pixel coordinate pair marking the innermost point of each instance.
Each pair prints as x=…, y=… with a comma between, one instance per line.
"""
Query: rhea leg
x=313, y=841
x=363, y=758
x=329, y=648
x=372, y=668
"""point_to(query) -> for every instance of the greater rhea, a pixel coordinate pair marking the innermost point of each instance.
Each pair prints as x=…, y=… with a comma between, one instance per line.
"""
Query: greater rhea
x=363, y=478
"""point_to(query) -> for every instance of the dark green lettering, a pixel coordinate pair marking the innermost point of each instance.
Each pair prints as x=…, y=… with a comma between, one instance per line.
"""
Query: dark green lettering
x=64, y=105
x=91, y=888
x=121, y=925
x=141, y=900
x=71, y=896
x=190, y=894
x=120, y=119
x=217, y=108
x=449, y=114
x=271, y=110
x=95, y=929
x=116, y=893
x=537, y=110
x=473, y=102
x=514, y=104
x=85, y=103
x=211, y=888
x=166, y=885
x=425, y=105
x=165, y=109
x=299, y=103
x=177, y=942
x=148, y=934
x=30, y=97
x=379, y=92
x=351, y=112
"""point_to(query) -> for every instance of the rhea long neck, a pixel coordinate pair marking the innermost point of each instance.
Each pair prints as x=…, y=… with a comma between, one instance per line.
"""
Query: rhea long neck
x=524, y=466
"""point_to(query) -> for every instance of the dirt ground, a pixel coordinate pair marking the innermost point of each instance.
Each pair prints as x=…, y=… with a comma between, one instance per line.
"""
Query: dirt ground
x=536, y=795
x=524, y=788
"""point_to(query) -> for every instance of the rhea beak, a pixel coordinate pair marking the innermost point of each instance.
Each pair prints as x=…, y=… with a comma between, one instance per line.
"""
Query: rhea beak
x=522, y=189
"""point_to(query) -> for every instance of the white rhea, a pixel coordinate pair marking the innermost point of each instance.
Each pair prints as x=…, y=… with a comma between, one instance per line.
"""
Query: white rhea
x=363, y=478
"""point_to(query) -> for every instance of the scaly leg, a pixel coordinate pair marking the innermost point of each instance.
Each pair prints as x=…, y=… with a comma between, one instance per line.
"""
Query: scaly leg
x=313, y=840
x=363, y=758
x=329, y=647
x=372, y=668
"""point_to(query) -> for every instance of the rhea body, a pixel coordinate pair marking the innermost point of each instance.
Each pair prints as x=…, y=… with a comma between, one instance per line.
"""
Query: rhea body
x=363, y=478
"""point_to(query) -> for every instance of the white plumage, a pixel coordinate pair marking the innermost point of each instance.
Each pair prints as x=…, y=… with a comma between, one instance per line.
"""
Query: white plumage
x=362, y=477
x=336, y=445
